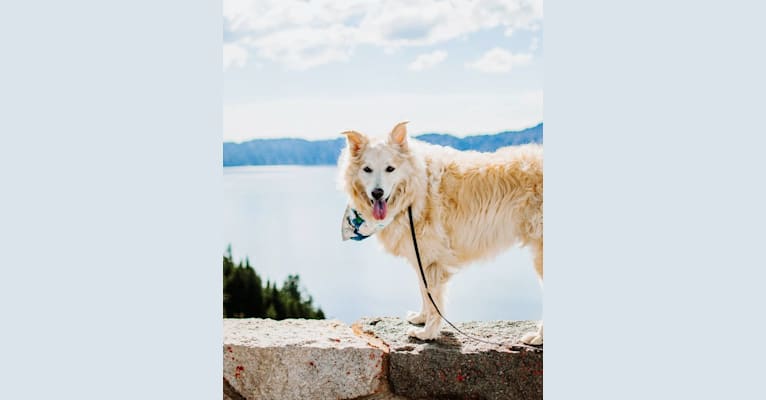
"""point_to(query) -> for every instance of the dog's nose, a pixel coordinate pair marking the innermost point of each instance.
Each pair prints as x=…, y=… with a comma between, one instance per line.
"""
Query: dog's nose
x=377, y=193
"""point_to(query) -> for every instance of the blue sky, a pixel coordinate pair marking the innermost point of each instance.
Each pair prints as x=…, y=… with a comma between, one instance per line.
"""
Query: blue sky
x=312, y=69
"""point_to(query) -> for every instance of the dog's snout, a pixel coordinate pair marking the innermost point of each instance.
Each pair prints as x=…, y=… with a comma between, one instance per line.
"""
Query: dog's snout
x=377, y=193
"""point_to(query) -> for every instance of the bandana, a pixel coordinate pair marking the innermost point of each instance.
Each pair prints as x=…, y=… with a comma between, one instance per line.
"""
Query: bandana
x=354, y=227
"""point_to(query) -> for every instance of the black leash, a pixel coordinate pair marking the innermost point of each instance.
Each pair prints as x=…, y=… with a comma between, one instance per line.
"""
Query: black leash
x=515, y=346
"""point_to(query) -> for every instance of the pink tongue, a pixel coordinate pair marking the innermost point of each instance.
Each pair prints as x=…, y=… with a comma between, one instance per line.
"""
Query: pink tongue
x=379, y=209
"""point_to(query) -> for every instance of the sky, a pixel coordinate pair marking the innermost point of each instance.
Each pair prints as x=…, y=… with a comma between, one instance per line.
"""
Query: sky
x=313, y=69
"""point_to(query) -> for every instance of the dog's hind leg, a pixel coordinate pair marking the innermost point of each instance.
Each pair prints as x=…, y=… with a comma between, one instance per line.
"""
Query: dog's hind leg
x=537, y=249
x=437, y=283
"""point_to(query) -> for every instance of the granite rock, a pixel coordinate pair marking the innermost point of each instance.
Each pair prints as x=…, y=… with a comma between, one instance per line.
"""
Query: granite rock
x=299, y=359
x=457, y=367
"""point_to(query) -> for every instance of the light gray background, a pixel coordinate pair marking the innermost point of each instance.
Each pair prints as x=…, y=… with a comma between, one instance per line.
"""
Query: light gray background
x=110, y=224
x=654, y=200
x=110, y=121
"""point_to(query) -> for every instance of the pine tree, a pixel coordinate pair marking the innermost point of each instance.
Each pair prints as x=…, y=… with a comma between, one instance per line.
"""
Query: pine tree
x=244, y=295
x=277, y=303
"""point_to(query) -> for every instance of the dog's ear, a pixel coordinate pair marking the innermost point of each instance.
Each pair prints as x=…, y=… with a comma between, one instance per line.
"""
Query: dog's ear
x=398, y=135
x=356, y=142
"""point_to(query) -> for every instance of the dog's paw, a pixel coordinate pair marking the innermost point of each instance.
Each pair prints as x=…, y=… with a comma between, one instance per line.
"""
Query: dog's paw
x=416, y=318
x=534, y=339
x=422, y=334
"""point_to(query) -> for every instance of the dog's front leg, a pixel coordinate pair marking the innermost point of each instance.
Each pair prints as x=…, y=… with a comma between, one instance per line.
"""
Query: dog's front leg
x=416, y=318
x=419, y=318
x=437, y=279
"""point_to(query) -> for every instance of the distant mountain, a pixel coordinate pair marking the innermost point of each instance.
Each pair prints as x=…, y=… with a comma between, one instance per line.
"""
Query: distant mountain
x=325, y=152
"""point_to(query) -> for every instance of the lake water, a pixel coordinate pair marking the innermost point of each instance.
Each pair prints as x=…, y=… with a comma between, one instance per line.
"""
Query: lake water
x=286, y=219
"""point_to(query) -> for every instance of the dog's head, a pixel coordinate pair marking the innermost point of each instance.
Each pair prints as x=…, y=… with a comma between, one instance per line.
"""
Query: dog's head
x=376, y=173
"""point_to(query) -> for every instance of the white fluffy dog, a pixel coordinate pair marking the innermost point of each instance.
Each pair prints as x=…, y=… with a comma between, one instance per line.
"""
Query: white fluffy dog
x=466, y=206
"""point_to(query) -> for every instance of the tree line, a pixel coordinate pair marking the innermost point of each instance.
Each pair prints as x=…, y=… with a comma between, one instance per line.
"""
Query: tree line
x=244, y=295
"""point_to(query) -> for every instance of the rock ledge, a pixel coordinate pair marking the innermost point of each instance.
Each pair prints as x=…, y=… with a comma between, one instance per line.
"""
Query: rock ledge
x=375, y=360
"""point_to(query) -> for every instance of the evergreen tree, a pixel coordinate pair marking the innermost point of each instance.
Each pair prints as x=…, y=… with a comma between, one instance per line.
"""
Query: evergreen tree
x=244, y=295
x=276, y=302
x=271, y=312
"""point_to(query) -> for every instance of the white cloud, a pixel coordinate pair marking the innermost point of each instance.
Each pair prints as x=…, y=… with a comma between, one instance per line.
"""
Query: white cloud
x=301, y=34
x=272, y=15
x=428, y=60
x=234, y=55
x=498, y=60
x=326, y=117
x=308, y=47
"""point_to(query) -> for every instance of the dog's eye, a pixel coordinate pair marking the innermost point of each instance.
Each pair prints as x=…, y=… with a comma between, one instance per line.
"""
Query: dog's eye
x=367, y=169
x=390, y=169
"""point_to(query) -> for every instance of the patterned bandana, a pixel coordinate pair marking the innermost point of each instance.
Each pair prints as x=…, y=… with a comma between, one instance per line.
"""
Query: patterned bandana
x=354, y=227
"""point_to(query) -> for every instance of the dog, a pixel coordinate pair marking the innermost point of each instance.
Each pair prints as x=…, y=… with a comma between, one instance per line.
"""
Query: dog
x=466, y=206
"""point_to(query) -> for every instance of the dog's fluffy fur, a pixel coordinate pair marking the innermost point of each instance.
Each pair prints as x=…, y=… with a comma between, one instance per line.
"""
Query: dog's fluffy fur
x=467, y=206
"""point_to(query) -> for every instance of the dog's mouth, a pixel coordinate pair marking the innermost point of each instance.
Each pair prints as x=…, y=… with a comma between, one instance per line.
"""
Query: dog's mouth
x=379, y=208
